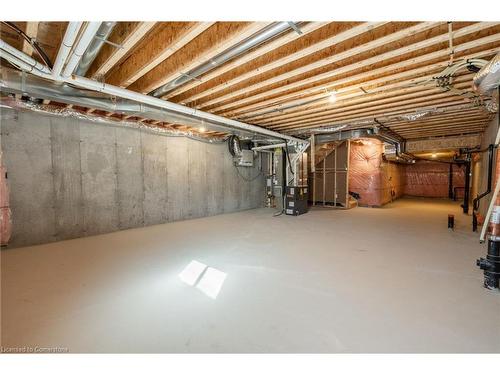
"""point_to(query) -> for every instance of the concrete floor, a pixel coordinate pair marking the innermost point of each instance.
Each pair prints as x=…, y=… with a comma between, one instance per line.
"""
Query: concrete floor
x=365, y=280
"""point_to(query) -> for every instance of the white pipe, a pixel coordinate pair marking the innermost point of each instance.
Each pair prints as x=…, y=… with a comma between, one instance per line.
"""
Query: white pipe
x=80, y=48
x=266, y=147
x=22, y=56
x=95, y=46
x=156, y=102
x=146, y=99
x=65, y=48
x=20, y=63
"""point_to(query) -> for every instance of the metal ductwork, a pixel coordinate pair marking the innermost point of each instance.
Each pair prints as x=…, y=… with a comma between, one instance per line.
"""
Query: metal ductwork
x=488, y=78
x=95, y=46
x=374, y=132
x=253, y=41
x=344, y=135
x=17, y=82
x=395, y=145
x=84, y=41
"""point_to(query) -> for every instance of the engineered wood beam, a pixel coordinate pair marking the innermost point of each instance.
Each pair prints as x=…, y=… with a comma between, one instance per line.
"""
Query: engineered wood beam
x=449, y=132
x=384, y=70
x=365, y=47
x=394, y=111
x=250, y=56
x=280, y=103
x=166, y=39
x=32, y=31
x=370, y=102
x=354, y=101
x=424, y=101
x=368, y=62
x=125, y=34
x=215, y=40
x=329, y=42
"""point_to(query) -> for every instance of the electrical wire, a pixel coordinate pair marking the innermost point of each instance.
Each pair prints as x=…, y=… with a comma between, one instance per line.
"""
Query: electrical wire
x=248, y=179
x=244, y=178
x=31, y=41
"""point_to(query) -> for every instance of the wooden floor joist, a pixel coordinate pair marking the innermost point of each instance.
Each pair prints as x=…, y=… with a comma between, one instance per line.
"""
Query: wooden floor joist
x=216, y=39
x=374, y=69
x=345, y=102
x=164, y=42
x=380, y=72
x=358, y=30
x=244, y=59
x=372, y=102
x=126, y=35
x=364, y=63
x=32, y=31
x=348, y=34
x=401, y=110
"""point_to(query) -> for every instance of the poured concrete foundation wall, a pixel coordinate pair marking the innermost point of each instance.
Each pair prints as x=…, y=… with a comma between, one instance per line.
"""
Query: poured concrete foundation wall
x=70, y=178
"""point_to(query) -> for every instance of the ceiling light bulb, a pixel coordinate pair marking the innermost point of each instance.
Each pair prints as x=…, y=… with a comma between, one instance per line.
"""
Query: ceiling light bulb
x=202, y=129
x=333, y=97
x=434, y=155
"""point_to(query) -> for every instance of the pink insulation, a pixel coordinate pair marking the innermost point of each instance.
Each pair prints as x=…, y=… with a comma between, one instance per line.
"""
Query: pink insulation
x=431, y=179
x=5, y=214
x=376, y=181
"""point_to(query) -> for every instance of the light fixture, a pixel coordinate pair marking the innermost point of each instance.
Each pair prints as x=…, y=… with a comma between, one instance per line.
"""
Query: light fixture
x=332, y=97
x=434, y=155
x=202, y=129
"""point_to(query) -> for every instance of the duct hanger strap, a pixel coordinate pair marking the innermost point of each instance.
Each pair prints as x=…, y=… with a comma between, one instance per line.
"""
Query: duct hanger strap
x=187, y=75
x=390, y=131
x=116, y=45
x=295, y=28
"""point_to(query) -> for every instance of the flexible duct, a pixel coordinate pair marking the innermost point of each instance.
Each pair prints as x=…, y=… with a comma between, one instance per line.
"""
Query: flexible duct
x=253, y=41
x=488, y=78
x=234, y=146
x=95, y=46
